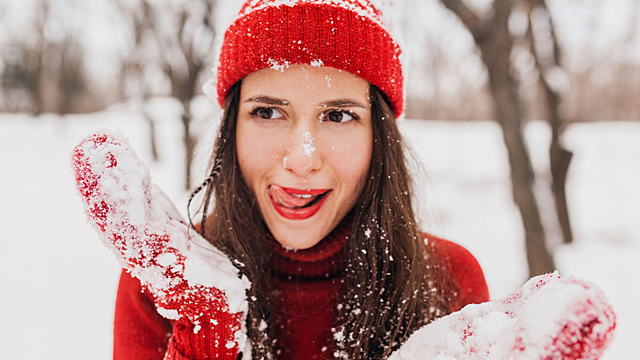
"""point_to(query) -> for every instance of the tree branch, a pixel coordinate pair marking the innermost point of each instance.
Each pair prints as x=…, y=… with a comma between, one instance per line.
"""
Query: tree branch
x=468, y=17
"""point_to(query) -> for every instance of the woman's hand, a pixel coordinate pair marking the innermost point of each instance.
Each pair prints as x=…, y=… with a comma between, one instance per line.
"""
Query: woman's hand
x=192, y=282
x=549, y=317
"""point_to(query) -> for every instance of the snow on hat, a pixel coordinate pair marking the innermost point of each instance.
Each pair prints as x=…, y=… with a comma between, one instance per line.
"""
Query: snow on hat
x=351, y=35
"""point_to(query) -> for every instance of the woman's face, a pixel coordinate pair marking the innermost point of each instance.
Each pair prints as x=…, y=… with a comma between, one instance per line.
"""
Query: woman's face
x=304, y=141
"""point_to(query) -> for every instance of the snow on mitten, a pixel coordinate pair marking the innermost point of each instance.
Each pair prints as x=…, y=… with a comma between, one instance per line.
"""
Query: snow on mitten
x=548, y=318
x=192, y=282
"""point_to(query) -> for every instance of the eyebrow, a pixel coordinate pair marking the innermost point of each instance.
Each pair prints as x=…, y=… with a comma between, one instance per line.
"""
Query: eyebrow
x=268, y=100
x=341, y=103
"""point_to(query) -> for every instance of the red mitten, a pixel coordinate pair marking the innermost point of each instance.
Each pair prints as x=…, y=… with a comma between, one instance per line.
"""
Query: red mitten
x=548, y=318
x=191, y=280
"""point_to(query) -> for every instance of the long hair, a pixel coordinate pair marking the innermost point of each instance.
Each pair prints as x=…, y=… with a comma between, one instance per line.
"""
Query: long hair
x=389, y=288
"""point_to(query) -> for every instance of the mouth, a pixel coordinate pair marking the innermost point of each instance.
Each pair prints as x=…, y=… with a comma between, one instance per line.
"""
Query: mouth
x=296, y=204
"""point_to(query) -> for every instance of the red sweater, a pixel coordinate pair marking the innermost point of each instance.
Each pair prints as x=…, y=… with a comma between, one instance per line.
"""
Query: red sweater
x=305, y=284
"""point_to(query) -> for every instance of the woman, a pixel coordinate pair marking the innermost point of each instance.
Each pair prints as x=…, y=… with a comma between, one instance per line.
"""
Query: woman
x=311, y=201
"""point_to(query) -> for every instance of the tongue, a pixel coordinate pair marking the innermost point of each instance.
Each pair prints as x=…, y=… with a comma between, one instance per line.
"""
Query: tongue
x=280, y=196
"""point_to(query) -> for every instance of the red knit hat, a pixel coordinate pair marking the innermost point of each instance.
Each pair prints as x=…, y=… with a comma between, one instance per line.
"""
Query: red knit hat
x=343, y=34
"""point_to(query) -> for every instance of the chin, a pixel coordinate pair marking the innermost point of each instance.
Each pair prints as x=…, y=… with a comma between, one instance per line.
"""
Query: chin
x=298, y=240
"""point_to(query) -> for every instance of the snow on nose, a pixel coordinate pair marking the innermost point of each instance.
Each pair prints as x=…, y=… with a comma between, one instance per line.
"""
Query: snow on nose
x=301, y=156
x=307, y=146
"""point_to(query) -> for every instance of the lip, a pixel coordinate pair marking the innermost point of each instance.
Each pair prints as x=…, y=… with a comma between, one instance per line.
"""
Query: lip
x=305, y=213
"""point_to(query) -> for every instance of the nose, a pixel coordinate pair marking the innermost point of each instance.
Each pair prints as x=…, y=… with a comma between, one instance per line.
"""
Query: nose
x=302, y=155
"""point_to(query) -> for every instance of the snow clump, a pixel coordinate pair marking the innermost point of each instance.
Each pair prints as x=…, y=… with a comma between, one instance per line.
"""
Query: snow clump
x=549, y=317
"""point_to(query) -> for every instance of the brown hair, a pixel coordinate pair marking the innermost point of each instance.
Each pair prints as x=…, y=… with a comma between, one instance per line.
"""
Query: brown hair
x=388, y=287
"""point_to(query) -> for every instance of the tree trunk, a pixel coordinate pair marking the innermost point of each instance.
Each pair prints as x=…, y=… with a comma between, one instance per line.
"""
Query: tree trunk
x=559, y=157
x=494, y=40
x=509, y=117
x=152, y=130
x=189, y=143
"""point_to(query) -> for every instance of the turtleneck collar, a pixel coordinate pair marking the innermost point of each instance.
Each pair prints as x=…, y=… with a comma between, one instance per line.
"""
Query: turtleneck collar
x=324, y=260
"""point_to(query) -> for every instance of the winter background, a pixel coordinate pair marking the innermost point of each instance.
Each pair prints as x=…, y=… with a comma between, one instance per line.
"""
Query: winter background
x=59, y=282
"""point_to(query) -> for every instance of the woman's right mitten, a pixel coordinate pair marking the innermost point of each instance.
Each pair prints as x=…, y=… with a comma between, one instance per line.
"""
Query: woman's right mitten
x=192, y=282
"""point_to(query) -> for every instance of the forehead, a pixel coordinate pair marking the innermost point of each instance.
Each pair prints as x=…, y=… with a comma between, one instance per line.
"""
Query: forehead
x=305, y=84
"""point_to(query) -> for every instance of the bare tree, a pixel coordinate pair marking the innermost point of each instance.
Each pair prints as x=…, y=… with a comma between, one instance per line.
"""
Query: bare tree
x=134, y=80
x=71, y=80
x=22, y=75
x=183, y=33
x=491, y=35
x=543, y=44
x=32, y=80
x=184, y=75
x=20, y=78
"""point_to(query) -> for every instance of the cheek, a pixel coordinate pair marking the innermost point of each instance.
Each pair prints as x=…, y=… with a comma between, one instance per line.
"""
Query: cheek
x=352, y=160
x=255, y=155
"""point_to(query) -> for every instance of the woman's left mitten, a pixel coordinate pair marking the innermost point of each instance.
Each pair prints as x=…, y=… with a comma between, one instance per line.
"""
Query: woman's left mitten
x=192, y=282
x=548, y=318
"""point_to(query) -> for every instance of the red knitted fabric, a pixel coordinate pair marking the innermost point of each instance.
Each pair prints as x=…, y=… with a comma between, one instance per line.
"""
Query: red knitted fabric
x=305, y=284
x=213, y=340
x=345, y=34
x=462, y=269
x=139, y=331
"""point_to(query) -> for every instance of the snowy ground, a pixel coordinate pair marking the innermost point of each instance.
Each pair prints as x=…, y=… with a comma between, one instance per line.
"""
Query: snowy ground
x=58, y=282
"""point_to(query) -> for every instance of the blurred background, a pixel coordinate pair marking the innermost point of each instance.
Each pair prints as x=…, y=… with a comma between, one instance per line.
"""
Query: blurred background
x=70, y=56
x=522, y=118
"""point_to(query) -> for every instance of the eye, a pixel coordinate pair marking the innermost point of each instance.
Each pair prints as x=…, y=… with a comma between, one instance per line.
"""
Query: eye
x=266, y=113
x=339, y=116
